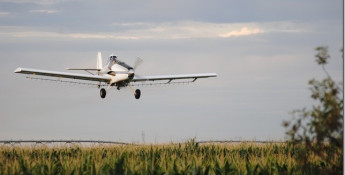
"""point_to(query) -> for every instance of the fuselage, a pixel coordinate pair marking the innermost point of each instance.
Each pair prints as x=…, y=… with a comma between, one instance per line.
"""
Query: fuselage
x=120, y=72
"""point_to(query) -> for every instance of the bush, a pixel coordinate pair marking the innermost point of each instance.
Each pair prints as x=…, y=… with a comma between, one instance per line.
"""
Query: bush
x=321, y=128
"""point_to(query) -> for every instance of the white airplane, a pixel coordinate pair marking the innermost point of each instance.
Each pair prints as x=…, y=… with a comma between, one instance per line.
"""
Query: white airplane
x=115, y=73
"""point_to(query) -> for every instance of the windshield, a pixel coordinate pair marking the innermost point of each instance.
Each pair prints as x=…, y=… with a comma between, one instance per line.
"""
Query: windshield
x=112, y=60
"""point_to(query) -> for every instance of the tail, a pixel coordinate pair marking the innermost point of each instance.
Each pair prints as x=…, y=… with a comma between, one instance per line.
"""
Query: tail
x=99, y=61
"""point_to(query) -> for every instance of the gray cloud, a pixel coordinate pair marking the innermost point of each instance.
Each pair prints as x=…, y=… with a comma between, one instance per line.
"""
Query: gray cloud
x=171, y=30
x=3, y=13
x=98, y=16
x=38, y=2
x=47, y=11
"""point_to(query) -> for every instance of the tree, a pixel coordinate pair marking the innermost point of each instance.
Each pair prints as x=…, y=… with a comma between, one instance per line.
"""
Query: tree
x=320, y=129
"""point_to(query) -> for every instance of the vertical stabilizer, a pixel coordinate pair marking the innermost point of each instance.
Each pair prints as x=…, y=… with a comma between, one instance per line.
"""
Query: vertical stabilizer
x=99, y=61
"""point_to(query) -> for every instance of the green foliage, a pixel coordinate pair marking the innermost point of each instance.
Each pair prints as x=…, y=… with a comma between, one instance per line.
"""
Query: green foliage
x=320, y=129
x=188, y=158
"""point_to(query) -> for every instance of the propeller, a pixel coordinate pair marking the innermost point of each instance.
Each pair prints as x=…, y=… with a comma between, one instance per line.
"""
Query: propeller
x=136, y=64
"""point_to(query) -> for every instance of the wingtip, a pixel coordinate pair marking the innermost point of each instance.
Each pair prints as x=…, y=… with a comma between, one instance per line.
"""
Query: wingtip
x=213, y=74
x=18, y=70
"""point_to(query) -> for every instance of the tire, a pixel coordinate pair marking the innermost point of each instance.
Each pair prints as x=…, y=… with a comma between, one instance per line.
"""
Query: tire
x=137, y=94
x=103, y=93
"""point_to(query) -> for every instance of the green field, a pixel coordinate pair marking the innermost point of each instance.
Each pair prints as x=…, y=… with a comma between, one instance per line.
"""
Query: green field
x=188, y=158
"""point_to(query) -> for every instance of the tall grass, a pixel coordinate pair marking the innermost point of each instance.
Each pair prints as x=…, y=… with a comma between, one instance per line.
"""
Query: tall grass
x=188, y=158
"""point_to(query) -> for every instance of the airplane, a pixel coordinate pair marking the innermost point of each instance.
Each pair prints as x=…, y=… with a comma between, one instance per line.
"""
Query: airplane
x=114, y=73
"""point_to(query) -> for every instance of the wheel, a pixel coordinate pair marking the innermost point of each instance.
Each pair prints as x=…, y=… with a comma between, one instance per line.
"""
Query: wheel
x=137, y=94
x=103, y=93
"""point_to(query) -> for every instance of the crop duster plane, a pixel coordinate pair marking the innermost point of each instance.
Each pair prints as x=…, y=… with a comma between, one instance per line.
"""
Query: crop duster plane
x=115, y=73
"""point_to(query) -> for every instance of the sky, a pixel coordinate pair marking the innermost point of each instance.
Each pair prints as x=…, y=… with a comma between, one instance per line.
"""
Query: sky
x=263, y=53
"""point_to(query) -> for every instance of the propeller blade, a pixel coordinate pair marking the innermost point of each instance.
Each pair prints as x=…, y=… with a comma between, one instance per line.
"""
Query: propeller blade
x=137, y=62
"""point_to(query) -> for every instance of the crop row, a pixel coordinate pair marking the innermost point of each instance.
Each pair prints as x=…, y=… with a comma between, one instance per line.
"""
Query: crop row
x=188, y=158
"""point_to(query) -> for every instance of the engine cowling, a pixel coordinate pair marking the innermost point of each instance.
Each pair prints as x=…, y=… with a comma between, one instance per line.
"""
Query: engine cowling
x=131, y=73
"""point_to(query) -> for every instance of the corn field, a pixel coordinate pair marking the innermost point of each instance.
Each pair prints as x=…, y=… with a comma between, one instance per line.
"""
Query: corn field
x=187, y=158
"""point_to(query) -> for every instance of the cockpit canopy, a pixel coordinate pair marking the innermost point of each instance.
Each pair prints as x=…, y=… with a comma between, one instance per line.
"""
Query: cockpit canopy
x=113, y=57
x=112, y=60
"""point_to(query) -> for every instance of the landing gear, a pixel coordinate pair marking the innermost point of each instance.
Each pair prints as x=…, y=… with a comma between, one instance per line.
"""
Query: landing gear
x=137, y=94
x=103, y=93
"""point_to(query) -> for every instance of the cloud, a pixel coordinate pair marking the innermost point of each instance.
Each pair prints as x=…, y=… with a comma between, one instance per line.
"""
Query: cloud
x=39, y=2
x=43, y=34
x=3, y=14
x=243, y=31
x=194, y=29
x=44, y=11
x=167, y=30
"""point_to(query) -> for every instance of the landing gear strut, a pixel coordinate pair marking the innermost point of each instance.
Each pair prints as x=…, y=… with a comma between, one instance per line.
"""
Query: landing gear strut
x=103, y=93
x=137, y=94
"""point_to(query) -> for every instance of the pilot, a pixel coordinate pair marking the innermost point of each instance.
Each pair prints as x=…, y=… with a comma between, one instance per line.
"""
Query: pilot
x=112, y=60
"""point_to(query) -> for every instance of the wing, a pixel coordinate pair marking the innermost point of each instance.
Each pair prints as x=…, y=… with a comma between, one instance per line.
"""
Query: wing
x=173, y=77
x=63, y=75
x=86, y=69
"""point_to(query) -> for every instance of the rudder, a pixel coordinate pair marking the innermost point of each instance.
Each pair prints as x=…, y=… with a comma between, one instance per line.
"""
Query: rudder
x=99, y=61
